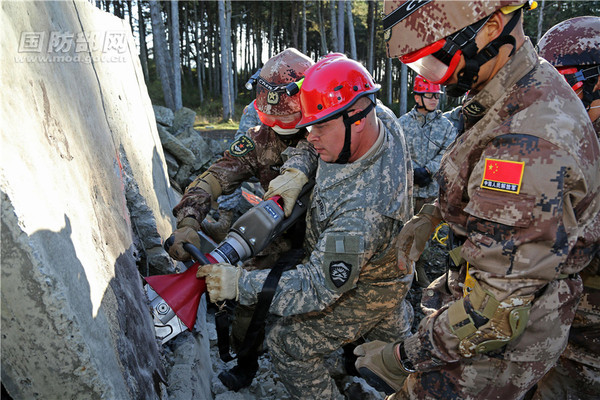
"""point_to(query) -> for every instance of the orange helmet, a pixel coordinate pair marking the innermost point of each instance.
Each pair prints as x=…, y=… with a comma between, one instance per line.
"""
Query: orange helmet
x=422, y=85
x=274, y=106
x=331, y=86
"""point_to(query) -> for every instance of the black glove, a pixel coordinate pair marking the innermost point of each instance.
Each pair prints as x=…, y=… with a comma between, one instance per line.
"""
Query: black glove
x=421, y=177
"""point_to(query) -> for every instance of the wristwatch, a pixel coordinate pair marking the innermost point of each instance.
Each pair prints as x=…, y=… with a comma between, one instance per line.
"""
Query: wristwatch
x=404, y=361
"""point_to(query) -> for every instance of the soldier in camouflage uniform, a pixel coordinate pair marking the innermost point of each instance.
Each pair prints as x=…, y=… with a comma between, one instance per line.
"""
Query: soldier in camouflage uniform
x=573, y=47
x=351, y=284
x=229, y=203
x=428, y=135
x=260, y=153
x=519, y=189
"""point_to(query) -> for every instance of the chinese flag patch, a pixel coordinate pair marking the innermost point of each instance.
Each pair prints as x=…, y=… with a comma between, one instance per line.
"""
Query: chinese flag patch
x=505, y=176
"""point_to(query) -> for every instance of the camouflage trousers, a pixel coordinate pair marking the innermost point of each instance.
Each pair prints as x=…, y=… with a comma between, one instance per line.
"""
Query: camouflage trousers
x=298, y=344
x=569, y=380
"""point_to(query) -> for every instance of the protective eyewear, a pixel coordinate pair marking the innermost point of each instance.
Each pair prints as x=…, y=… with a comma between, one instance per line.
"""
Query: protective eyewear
x=575, y=76
x=283, y=121
x=429, y=95
x=437, y=61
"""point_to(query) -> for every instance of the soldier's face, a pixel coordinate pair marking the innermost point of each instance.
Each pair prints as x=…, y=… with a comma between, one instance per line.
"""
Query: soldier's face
x=328, y=139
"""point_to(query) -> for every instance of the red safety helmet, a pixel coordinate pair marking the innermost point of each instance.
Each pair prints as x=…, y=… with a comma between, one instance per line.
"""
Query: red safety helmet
x=422, y=85
x=331, y=86
x=272, y=103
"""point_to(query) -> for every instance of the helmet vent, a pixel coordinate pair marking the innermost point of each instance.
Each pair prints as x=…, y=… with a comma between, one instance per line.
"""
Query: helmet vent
x=355, y=88
x=320, y=106
x=338, y=87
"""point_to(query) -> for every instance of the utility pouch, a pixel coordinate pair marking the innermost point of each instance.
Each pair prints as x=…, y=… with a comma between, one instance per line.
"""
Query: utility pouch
x=483, y=324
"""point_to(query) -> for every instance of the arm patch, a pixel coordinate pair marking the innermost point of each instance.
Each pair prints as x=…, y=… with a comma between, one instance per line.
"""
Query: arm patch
x=342, y=260
x=242, y=146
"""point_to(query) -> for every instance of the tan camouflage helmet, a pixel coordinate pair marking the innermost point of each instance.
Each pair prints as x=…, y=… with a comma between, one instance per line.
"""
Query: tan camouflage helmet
x=413, y=24
x=574, y=42
x=282, y=69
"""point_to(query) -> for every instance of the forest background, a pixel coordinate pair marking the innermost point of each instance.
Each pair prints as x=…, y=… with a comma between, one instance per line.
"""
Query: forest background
x=200, y=54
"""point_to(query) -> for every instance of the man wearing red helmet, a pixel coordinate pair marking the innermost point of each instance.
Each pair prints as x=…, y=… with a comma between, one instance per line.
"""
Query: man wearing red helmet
x=259, y=153
x=573, y=48
x=351, y=284
x=428, y=134
x=277, y=154
x=518, y=189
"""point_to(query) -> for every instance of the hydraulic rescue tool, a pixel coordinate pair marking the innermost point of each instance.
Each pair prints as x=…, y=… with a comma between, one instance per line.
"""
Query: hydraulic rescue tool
x=175, y=298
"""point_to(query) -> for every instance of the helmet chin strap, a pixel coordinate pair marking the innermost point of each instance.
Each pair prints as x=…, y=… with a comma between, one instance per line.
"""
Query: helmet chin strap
x=344, y=155
x=474, y=59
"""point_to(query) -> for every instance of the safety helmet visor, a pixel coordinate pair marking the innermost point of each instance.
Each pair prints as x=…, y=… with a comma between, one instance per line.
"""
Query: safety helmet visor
x=283, y=121
x=433, y=69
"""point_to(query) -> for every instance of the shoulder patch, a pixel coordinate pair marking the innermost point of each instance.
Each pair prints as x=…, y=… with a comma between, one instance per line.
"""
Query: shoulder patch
x=242, y=146
x=501, y=175
x=339, y=272
x=342, y=258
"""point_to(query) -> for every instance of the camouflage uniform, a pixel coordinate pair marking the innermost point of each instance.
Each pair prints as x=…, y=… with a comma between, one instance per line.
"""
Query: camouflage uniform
x=577, y=372
x=249, y=120
x=260, y=153
x=454, y=117
x=428, y=137
x=521, y=239
x=350, y=285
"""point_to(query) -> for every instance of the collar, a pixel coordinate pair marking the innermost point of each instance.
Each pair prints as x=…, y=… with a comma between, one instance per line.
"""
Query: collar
x=376, y=145
x=523, y=61
x=428, y=117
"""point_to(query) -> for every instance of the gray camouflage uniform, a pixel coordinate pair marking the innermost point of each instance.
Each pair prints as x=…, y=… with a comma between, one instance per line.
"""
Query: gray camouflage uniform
x=428, y=137
x=454, y=117
x=351, y=284
x=524, y=244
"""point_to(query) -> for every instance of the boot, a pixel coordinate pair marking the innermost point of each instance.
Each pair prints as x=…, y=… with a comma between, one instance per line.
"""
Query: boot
x=420, y=276
x=241, y=375
x=218, y=230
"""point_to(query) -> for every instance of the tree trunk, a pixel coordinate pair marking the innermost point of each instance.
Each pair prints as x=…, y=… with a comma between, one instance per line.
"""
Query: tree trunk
x=271, y=49
x=162, y=57
x=334, y=27
x=225, y=83
x=294, y=23
x=322, y=31
x=540, y=21
x=188, y=48
x=403, y=89
x=304, y=26
x=199, y=58
x=371, y=35
x=176, y=56
x=351, y=37
x=230, y=51
x=143, y=47
x=341, y=10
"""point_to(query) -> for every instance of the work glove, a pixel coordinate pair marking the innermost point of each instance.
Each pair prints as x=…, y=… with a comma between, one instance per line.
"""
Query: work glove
x=186, y=232
x=421, y=177
x=379, y=363
x=221, y=280
x=414, y=235
x=218, y=230
x=287, y=185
